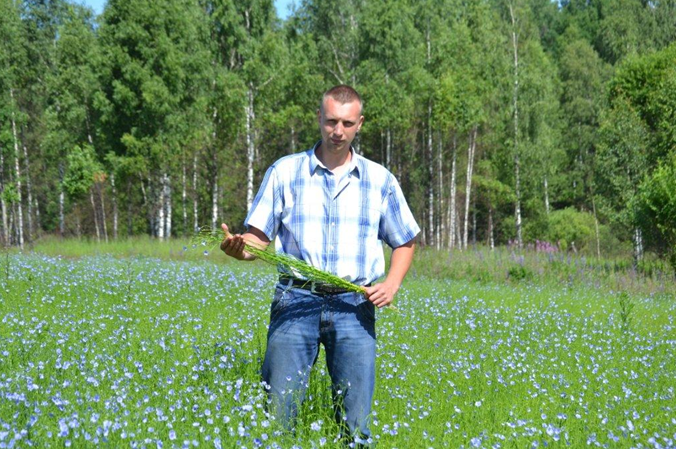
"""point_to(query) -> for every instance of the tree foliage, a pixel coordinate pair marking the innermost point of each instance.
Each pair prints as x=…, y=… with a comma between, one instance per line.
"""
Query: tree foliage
x=172, y=109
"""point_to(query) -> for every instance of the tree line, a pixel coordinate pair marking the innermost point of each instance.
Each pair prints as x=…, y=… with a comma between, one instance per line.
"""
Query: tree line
x=506, y=121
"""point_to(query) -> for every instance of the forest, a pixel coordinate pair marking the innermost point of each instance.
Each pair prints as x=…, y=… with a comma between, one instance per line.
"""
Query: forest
x=530, y=123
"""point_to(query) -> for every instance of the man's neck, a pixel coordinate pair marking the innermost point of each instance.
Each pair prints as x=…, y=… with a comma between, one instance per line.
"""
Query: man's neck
x=335, y=162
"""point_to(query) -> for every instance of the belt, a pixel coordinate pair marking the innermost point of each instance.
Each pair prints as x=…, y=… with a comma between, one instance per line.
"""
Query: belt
x=319, y=288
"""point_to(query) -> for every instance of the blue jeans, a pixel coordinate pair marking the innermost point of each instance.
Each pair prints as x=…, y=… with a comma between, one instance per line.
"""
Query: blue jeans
x=345, y=325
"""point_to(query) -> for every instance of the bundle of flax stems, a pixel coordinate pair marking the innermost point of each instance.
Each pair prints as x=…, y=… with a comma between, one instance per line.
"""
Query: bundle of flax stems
x=212, y=238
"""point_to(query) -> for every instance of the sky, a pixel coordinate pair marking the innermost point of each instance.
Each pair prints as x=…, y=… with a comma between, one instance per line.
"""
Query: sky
x=281, y=5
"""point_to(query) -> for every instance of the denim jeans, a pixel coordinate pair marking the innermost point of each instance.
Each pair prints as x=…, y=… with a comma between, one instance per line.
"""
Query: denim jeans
x=345, y=324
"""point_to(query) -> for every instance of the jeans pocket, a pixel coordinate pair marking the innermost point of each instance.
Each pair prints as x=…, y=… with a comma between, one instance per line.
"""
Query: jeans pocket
x=367, y=311
x=279, y=300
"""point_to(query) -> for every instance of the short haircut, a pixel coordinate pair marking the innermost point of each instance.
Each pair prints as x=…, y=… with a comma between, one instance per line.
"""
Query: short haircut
x=343, y=93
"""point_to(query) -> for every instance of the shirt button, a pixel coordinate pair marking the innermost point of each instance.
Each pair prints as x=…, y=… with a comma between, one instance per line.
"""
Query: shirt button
x=333, y=223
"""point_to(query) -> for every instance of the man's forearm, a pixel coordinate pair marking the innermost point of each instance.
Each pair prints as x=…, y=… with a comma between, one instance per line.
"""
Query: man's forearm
x=400, y=262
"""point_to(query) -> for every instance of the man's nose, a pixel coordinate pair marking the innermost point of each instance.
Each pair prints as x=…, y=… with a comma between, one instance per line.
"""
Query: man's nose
x=338, y=129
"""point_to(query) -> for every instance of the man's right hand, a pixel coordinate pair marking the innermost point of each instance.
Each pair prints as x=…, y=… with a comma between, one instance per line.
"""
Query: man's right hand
x=233, y=245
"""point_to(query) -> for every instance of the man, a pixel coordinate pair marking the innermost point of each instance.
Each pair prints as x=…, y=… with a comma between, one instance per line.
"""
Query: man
x=331, y=208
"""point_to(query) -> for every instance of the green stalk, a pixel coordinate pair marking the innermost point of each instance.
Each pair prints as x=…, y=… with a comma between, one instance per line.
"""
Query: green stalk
x=213, y=238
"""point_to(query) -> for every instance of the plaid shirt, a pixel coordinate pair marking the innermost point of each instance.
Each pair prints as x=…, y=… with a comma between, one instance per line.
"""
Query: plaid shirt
x=335, y=223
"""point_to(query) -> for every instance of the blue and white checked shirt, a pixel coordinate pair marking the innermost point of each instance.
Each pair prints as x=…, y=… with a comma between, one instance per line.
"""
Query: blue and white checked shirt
x=334, y=223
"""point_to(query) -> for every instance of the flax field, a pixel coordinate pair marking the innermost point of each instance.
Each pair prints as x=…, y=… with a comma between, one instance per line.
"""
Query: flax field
x=98, y=350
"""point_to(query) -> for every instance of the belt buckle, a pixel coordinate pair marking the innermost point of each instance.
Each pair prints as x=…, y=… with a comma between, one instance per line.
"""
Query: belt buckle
x=313, y=290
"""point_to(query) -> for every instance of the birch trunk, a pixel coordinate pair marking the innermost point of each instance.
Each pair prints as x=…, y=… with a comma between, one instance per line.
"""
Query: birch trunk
x=638, y=246
x=453, y=221
x=491, y=240
x=250, y=148
x=5, y=224
x=160, y=210
x=115, y=209
x=29, y=194
x=430, y=155
x=184, y=198
x=17, y=174
x=214, y=204
x=62, y=221
x=96, y=215
x=3, y=203
x=194, y=195
x=468, y=183
x=167, y=200
x=515, y=104
x=441, y=232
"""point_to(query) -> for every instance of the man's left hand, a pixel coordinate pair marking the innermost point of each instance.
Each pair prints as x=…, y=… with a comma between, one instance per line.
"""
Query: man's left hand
x=382, y=294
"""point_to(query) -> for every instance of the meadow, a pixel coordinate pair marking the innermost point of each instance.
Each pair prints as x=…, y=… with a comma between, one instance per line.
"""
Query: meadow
x=148, y=344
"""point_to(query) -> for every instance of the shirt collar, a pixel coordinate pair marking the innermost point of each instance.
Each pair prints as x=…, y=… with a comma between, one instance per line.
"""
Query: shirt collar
x=354, y=166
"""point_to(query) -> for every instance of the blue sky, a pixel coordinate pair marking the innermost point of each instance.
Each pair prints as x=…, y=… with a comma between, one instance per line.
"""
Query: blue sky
x=281, y=5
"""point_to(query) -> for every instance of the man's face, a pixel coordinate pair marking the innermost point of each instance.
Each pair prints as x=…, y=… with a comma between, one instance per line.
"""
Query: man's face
x=338, y=124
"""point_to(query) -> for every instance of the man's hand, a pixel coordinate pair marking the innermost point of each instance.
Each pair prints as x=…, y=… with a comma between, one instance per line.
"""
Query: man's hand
x=233, y=245
x=381, y=295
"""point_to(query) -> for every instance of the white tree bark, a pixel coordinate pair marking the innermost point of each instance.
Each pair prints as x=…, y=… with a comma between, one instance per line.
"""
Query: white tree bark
x=441, y=229
x=250, y=147
x=214, y=203
x=515, y=102
x=468, y=183
x=638, y=245
x=430, y=156
x=29, y=194
x=167, y=200
x=96, y=215
x=196, y=225
x=453, y=225
x=160, y=210
x=3, y=203
x=184, y=197
x=17, y=174
x=62, y=202
x=115, y=208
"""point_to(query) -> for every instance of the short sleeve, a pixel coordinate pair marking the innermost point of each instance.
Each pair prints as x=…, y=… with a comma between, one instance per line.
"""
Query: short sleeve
x=266, y=209
x=397, y=224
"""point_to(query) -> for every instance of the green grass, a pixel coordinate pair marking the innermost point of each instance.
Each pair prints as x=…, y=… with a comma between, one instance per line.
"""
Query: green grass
x=127, y=342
